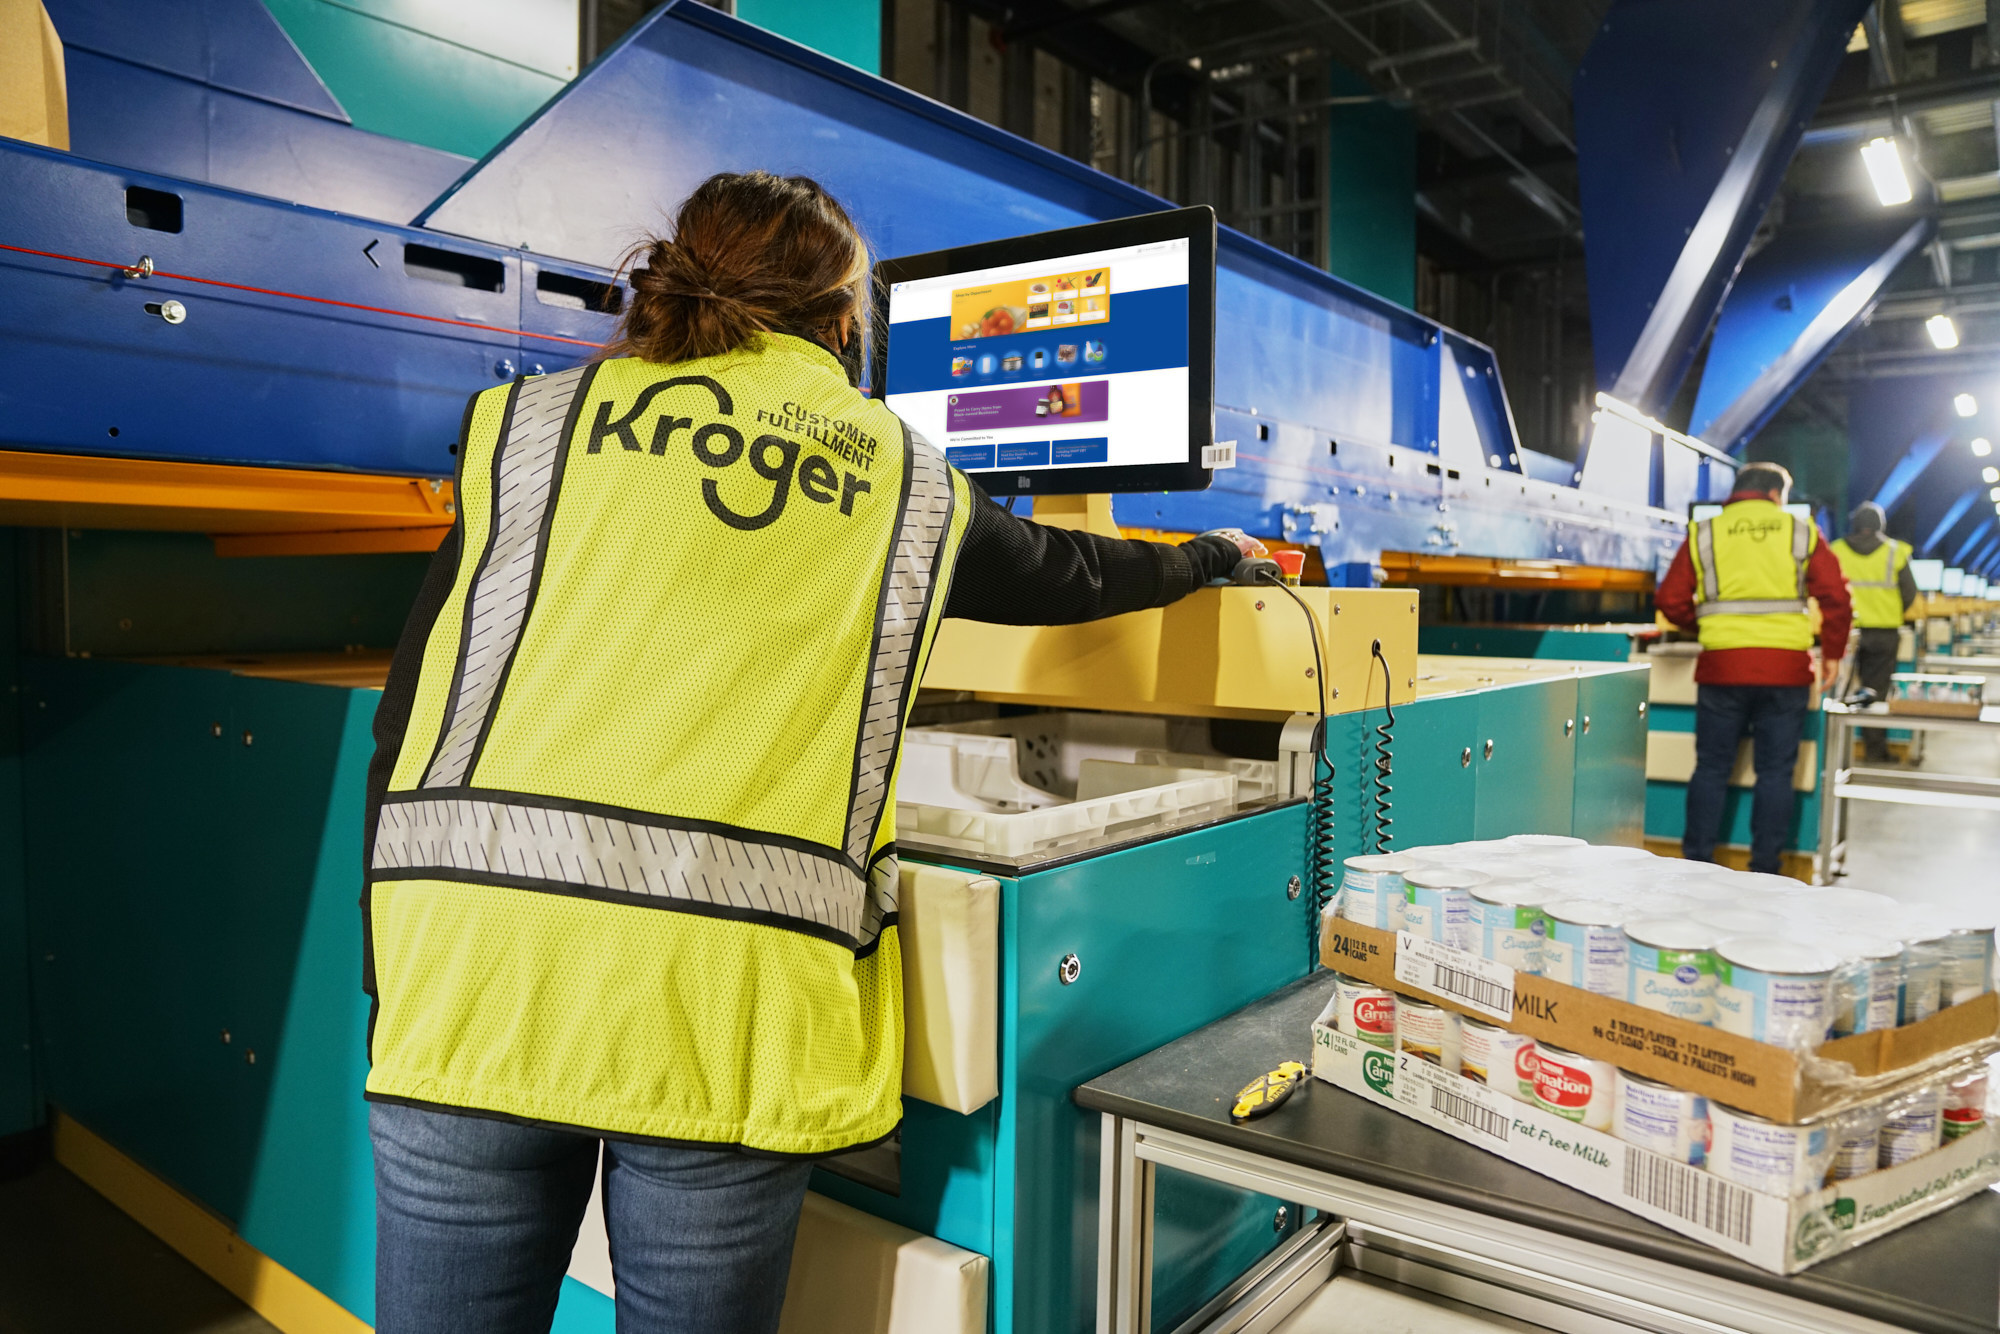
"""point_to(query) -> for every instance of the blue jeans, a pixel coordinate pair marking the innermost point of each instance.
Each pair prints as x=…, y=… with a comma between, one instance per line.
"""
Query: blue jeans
x=1774, y=716
x=476, y=1218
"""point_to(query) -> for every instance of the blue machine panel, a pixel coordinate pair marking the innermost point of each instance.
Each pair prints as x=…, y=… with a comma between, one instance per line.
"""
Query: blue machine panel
x=1361, y=425
x=213, y=90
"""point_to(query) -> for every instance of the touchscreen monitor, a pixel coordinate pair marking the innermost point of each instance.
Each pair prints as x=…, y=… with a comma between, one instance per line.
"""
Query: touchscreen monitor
x=1064, y=362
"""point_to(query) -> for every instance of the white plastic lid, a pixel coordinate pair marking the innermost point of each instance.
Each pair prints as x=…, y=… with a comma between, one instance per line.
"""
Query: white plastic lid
x=1774, y=954
x=1584, y=912
x=1511, y=894
x=1671, y=933
x=1740, y=921
x=1444, y=877
x=1856, y=944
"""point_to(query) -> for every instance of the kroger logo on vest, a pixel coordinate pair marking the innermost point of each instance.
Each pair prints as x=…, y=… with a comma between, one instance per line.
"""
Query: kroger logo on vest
x=1757, y=529
x=721, y=446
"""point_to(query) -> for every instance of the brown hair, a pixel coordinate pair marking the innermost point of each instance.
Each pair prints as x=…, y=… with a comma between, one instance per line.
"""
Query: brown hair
x=750, y=253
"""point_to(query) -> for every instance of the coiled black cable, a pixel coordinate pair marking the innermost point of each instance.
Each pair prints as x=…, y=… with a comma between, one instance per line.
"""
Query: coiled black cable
x=1322, y=859
x=1385, y=738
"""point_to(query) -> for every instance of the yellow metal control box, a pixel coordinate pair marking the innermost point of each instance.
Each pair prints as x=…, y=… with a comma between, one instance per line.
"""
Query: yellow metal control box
x=1221, y=652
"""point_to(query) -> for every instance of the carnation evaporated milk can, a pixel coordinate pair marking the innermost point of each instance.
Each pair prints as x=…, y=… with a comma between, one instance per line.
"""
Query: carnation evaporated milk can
x=1364, y=1011
x=1574, y=1087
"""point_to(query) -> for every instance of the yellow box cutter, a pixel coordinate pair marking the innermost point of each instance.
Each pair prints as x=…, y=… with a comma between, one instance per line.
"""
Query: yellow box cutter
x=1266, y=1091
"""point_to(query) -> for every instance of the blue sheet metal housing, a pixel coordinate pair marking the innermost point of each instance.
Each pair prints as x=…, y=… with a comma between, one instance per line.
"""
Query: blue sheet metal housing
x=1790, y=306
x=1361, y=426
x=1673, y=185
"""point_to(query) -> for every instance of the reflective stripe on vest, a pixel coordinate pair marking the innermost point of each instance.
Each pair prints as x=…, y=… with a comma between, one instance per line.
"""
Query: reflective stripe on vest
x=557, y=849
x=1749, y=595
x=635, y=870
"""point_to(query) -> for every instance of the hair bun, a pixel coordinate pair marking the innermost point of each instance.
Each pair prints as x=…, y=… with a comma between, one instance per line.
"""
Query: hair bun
x=750, y=254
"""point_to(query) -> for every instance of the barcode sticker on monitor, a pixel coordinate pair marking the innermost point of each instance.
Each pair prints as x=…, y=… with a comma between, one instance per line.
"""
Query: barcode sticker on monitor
x=1469, y=980
x=1689, y=1193
x=1221, y=454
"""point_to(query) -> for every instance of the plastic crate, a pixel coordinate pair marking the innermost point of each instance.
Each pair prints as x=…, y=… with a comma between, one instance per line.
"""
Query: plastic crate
x=1046, y=782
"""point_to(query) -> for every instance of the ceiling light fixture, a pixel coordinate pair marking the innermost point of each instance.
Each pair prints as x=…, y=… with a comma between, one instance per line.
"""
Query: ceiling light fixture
x=1989, y=474
x=1884, y=161
x=1944, y=334
x=1965, y=404
x=1981, y=447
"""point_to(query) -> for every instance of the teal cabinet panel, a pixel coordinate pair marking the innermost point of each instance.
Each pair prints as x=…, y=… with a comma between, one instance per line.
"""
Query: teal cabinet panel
x=1527, y=784
x=1432, y=774
x=311, y=1203
x=1169, y=935
x=1569, y=644
x=127, y=804
x=199, y=960
x=20, y=1093
x=947, y=1186
x=1609, y=802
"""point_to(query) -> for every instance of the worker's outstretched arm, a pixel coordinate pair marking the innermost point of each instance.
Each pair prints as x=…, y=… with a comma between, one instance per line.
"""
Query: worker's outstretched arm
x=1014, y=571
x=1906, y=584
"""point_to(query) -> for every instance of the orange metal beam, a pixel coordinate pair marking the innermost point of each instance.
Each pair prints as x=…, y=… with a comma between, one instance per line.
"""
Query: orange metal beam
x=355, y=541
x=1410, y=567
x=338, y=508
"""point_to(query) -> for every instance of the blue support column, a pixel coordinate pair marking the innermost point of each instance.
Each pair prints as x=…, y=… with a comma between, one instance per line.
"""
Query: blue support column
x=1949, y=521
x=1791, y=304
x=1674, y=180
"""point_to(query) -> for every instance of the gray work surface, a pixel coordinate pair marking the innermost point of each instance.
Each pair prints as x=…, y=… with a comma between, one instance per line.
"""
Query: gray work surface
x=1939, y=1274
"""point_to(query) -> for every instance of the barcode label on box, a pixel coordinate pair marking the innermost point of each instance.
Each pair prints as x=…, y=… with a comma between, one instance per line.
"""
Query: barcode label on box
x=1469, y=980
x=1688, y=1193
x=1467, y=1112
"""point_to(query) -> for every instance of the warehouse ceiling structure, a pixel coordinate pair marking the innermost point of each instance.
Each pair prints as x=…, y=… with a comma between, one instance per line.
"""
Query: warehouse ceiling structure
x=1743, y=263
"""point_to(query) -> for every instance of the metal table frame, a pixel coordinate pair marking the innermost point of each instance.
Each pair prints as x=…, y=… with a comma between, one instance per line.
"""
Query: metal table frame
x=1496, y=1264
x=1841, y=781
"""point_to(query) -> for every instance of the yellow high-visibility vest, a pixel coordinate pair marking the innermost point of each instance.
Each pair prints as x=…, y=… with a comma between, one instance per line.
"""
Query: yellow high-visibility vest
x=1750, y=577
x=1872, y=582
x=635, y=870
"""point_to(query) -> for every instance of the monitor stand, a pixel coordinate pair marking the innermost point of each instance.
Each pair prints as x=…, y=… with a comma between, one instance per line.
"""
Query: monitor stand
x=1090, y=514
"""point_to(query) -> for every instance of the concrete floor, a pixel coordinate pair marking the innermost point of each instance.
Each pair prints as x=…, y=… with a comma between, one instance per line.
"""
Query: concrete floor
x=71, y=1263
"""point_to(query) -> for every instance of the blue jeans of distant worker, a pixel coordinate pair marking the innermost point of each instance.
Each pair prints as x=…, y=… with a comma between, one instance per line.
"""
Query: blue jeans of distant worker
x=476, y=1218
x=1774, y=716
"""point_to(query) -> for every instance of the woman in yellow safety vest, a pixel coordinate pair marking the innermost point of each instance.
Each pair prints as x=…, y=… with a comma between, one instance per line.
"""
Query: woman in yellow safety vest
x=631, y=861
x=1879, y=581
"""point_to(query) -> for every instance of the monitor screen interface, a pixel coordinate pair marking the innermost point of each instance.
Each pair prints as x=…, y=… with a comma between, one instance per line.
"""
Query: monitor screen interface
x=1928, y=574
x=1046, y=366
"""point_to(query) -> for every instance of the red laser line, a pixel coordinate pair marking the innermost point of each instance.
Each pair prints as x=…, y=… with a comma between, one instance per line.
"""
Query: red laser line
x=301, y=296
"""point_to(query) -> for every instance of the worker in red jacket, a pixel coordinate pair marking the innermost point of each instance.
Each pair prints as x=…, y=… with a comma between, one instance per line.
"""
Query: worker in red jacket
x=1741, y=581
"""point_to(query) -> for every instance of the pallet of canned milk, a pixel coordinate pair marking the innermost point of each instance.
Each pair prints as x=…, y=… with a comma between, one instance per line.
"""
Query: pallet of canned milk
x=1759, y=993
x=1793, y=1195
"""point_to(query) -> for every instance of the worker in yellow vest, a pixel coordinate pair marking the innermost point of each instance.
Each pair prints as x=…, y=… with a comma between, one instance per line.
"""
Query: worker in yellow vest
x=631, y=866
x=1740, y=581
x=1877, y=567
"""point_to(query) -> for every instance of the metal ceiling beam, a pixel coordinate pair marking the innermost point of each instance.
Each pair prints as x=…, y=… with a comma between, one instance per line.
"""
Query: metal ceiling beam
x=1855, y=116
